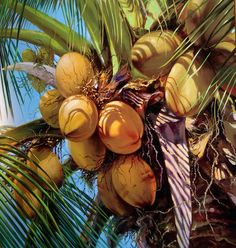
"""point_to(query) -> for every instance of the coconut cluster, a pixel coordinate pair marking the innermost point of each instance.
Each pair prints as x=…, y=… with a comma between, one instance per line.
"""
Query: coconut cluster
x=189, y=61
x=45, y=169
x=95, y=130
x=188, y=78
x=91, y=131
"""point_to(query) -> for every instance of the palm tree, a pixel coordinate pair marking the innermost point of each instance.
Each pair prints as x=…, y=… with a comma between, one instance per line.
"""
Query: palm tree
x=173, y=62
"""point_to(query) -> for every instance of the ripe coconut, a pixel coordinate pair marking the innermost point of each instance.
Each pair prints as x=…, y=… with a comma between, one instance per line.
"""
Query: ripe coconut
x=187, y=85
x=28, y=192
x=88, y=154
x=49, y=166
x=109, y=197
x=28, y=55
x=224, y=55
x=73, y=71
x=152, y=52
x=78, y=118
x=49, y=106
x=120, y=127
x=211, y=15
x=134, y=181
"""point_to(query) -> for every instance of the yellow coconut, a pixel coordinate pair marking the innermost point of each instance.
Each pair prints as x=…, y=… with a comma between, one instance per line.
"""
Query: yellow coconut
x=211, y=30
x=49, y=106
x=120, y=127
x=224, y=55
x=28, y=55
x=187, y=85
x=152, y=52
x=28, y=192
x=223, y=52
x=227, y=44
x=78, y=118
x=73, y=71
x=134, y=181
x=88, y=154
x=109, y=197
x=49, y=166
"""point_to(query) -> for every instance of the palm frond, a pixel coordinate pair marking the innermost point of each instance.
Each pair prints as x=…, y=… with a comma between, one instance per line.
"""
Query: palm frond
x=14, y=15
x=62, y=218
x=91, y=14
x=154, y=12
x=28, y=131
x=134, y=12
x=68, y=38
x=34, y=37
x=118, y=33
x=9, y=81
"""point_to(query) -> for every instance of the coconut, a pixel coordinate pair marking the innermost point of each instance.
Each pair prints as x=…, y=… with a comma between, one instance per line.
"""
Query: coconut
x=28, y=55
x=188, y=85
x=49, y=166
x=223, y=52
x=194, y=17
x=224, y=56
x=120, y=127
x=152, y=52
x=134, y=181
x=78, y=117
x=109, y=197
x=73, y=71
x=28, y=192
x=49, y=106
x=88, y=154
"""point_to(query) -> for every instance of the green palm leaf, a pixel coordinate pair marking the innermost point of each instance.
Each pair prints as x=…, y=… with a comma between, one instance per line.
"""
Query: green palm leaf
x=117, y=31
x=90, y=12
x=153, y=11
x=134, y=12
x=60, y=221
x=34, y=37
x=64, y=35
x=28, y=131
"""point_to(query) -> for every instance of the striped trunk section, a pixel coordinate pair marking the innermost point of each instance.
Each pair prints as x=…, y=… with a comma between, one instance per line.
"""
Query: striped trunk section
x=171, y=132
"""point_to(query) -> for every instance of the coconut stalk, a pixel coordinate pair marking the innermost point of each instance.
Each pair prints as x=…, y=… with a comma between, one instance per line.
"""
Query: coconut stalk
x=36, y=38
x=45, y=73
